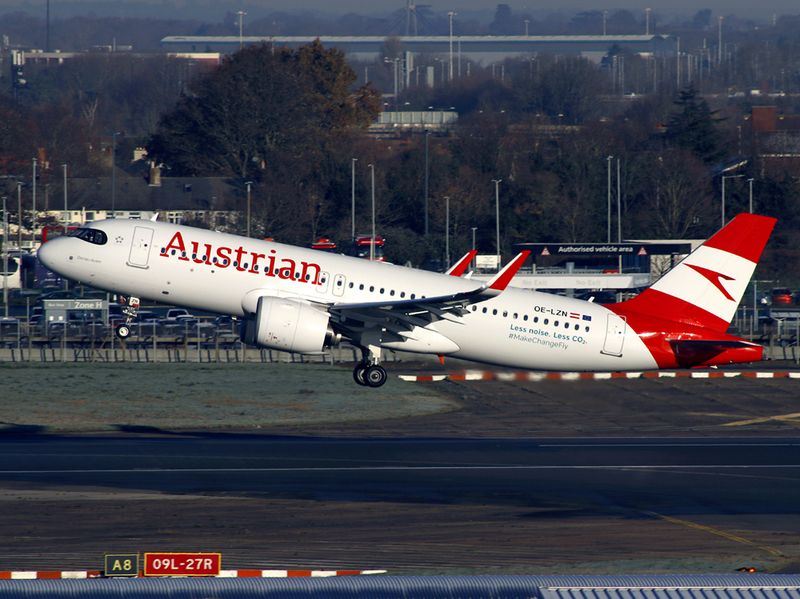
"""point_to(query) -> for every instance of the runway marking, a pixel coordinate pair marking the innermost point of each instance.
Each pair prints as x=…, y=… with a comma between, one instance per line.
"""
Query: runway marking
x=732, y=444
x=716, y=531
x=407, y=468
x=538, y=376
x=779, y=418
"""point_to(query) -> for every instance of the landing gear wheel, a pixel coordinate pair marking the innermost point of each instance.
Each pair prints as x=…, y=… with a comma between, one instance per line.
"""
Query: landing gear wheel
x=358, y=375
x=375, y=376
x=123, y=331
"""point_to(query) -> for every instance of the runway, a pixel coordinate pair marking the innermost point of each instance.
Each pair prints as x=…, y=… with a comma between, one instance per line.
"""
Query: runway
x=403, y=504
x=699, y=471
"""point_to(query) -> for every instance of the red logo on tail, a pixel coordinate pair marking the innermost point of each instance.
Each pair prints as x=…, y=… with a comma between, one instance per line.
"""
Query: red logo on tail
x=714, y=277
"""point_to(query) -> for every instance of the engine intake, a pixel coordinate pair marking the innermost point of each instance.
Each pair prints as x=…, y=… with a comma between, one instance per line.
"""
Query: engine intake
x=287, y=325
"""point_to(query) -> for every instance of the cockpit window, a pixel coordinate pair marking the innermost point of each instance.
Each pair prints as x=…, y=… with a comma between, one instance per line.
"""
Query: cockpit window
x=95, y=236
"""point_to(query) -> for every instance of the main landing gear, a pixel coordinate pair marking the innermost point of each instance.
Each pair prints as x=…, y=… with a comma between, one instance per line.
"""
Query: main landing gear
x=369, y=372
x=130, y=308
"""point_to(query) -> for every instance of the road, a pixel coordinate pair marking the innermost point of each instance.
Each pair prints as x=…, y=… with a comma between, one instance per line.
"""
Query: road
x=408, y=505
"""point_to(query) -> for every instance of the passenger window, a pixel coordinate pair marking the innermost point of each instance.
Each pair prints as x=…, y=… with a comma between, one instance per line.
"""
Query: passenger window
x=515, y=315
x=361, y=286
x=494, y=312
x=535, y=319
x=391, y=292
x=372, y=287
x=546, y=321
x=402, y=294
x=555, y=323
x=505, y=313
x=350, y=285
x=577, y=327
x=587, y=329
x=566, y=325
x=413, y=296
x=381, y=289
x=485, y=310
x=525, y=317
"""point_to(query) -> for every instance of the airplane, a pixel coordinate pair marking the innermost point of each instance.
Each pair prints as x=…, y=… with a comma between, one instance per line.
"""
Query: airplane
x=301, y=300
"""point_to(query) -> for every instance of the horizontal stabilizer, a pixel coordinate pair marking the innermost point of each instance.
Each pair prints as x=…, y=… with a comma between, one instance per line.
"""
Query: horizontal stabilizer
x=695, y=352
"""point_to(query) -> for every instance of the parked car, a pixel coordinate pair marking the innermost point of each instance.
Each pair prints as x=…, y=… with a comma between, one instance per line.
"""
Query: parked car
x=781, y=296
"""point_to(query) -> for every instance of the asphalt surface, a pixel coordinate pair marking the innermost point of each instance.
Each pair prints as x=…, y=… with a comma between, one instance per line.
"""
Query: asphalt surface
x=420, y=504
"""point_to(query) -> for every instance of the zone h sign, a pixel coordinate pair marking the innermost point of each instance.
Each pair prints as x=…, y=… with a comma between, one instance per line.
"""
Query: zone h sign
x=182, y=564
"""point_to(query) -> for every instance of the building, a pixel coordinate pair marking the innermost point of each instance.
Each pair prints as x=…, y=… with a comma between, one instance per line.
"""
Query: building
x=482, y=49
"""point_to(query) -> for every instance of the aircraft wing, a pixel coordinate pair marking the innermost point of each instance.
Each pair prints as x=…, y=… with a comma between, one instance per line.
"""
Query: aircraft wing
x=423, y=310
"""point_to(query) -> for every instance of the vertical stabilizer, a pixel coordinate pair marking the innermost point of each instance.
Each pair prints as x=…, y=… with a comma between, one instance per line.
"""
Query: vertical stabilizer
x=706, y=287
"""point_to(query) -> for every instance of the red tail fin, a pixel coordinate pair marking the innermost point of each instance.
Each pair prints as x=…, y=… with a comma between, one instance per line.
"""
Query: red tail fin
x=706, y=287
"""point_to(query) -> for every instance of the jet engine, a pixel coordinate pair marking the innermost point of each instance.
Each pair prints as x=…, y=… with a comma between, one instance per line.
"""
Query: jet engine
x=288, y=325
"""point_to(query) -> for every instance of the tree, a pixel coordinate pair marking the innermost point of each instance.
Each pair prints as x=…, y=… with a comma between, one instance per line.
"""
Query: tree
x=692, y=126
x=262, y=106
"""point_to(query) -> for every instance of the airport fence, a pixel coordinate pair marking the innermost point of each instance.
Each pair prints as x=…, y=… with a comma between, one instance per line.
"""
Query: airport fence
x=149, y=342
x=205, y=342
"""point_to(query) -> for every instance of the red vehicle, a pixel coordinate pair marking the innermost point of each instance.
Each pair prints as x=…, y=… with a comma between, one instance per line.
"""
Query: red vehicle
x=324, y=244
x=781, y=296
x=361, y=247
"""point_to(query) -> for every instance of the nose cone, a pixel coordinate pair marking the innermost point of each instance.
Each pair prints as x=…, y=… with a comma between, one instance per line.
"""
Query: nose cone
x=49, y=254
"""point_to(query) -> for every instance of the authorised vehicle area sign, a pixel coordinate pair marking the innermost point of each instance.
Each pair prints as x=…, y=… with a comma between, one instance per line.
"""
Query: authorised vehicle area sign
x=182, y=564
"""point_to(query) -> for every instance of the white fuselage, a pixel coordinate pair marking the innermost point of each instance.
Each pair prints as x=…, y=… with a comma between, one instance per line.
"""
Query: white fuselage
x=518, y=328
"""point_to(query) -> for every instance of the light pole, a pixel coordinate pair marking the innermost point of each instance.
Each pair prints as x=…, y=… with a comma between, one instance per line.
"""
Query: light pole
x=750, y=181
x=33, y=205
x=427, y=135
x=526, y=27
x=19, y=215
x=447, y=230
x=5, y=258
x=353, y=197
x=497, y=216
x=114, y=174
x=473, y=245
x=450, y=16
x=248, y=184
x=241, y=14
x=372, y=240
x=608, y=193
x=719, y=43
x=619, y=214
x=605, y=20
x=723, y=194
x=647, y=20
x=66, y=213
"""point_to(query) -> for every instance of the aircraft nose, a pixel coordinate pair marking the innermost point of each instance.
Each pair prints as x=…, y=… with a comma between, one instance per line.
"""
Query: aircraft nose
x=48, y=254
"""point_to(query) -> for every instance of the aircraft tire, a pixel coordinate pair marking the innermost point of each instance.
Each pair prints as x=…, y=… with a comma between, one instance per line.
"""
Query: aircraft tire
x=123, y=331
x=375, y=376
x=358, y=375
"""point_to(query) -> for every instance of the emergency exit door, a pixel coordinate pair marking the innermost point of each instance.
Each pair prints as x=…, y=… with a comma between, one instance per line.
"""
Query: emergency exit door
x=615, y=335
x=140, y=247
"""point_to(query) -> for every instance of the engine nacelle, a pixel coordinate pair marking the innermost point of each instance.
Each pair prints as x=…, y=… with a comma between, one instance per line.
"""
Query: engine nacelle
x=287, y=325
